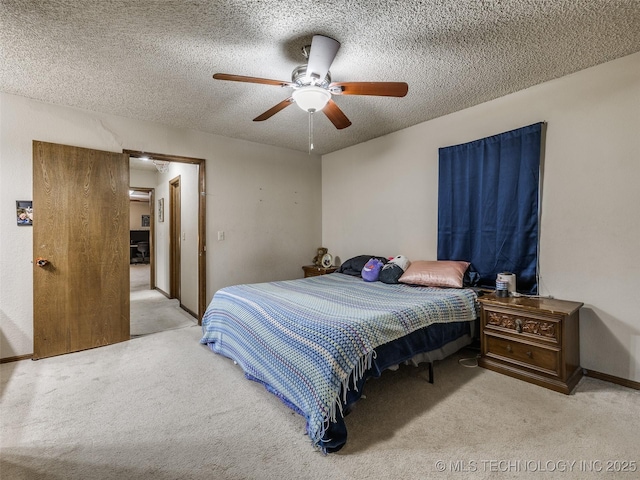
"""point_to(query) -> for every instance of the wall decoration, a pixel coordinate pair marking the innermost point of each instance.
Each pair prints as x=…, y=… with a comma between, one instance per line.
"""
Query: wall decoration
x=146, y=220
x=161, y=210
x=24, y=213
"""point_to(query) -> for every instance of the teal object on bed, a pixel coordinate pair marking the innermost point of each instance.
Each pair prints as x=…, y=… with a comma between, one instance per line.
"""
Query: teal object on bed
x=307, y=339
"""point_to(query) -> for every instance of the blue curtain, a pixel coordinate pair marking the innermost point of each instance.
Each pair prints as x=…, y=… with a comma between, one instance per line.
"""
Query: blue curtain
x=488, y=205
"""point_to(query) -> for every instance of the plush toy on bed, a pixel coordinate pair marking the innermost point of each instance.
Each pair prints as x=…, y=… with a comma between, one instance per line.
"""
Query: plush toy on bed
x=393, y=270
x=371, y=270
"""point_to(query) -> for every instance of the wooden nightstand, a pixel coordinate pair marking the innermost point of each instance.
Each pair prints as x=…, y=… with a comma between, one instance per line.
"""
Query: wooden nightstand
x=534, y=339
x=314, y=271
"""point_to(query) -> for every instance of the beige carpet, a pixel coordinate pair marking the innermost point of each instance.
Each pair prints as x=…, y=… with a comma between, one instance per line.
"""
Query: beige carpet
x=164, y=407
x=151, y=311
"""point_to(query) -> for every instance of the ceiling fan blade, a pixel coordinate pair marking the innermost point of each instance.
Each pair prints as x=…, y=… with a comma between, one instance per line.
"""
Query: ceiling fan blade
x=242, y=78
x=337, y=117
x=273, y=110
x=323, y=51
x=382, y=89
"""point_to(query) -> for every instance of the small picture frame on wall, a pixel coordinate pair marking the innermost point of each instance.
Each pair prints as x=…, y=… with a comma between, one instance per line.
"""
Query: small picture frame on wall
x=161, y=210
x=146, y=220
x=24, y=213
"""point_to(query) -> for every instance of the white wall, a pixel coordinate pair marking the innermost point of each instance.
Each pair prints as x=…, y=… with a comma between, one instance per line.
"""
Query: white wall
x=142, y=178
x=266, y=199
x=381, y=197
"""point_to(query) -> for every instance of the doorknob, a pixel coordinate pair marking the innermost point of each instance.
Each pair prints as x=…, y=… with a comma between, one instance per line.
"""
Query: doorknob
x=42, y=262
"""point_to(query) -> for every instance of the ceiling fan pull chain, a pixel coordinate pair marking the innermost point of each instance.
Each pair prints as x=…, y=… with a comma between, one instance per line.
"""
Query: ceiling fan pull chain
x=310, y=131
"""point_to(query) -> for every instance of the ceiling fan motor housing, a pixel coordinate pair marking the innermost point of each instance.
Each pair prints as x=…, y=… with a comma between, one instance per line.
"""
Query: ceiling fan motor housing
x=299, y=77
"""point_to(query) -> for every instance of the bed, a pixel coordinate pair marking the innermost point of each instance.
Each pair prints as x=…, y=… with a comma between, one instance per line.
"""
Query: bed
x=313, y=342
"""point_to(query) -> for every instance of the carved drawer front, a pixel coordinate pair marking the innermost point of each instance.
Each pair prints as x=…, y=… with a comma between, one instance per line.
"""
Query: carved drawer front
x=536, y=357
x=545, y=329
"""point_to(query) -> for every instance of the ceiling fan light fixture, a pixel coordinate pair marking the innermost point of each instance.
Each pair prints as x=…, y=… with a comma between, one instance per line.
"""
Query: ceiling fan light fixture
x=311, y=98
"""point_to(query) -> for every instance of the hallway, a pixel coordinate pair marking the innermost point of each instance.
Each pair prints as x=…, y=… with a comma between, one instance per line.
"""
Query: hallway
x=151, y=311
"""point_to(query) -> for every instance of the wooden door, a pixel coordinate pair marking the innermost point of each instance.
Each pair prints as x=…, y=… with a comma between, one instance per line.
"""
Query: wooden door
x=81, y=202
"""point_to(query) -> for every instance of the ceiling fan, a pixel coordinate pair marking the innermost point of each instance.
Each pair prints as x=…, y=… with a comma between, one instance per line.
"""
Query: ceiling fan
x=312, y=86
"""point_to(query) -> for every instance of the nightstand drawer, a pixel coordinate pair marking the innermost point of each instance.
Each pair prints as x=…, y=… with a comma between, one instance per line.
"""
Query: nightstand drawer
x=525, y=323
x=538, y=357
x=315, y=271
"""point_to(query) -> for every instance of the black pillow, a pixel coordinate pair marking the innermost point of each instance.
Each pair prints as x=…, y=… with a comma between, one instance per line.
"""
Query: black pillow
x=354, y=265
x=390, y=273
x=471, y=277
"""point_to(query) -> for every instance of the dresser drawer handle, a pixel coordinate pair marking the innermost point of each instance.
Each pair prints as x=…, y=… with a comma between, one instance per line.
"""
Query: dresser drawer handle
x=529, y=354
x=509, y=348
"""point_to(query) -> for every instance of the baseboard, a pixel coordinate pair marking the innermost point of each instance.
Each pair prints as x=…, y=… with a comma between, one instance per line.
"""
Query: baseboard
x=163, y=292
x=17, y=358
x=194, y=315
x=613, y=379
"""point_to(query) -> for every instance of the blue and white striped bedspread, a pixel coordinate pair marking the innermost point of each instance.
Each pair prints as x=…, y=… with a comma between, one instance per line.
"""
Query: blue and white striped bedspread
x=308, y=338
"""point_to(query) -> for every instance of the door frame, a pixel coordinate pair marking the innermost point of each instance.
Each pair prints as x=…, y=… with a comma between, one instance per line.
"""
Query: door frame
x=175, y=240
x=202, y=218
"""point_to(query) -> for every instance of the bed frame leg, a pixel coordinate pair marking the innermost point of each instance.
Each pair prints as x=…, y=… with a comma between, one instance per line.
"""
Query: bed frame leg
x=431, y=372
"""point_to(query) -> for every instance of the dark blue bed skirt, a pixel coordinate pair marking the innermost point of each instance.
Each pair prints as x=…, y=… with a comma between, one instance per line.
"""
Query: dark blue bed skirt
x=398, y=351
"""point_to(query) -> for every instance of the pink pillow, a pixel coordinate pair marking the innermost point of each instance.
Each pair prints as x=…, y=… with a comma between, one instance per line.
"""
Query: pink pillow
x=440, y=273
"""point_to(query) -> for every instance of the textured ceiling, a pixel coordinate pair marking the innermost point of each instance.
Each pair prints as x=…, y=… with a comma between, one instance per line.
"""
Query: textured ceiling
x=154, y=60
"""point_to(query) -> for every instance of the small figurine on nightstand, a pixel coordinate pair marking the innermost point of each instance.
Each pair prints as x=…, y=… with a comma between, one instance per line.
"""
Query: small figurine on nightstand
x=317, y=260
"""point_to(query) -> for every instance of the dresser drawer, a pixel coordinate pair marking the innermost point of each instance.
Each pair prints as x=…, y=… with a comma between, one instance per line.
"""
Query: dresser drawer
x=538, y=357
x=527, y=325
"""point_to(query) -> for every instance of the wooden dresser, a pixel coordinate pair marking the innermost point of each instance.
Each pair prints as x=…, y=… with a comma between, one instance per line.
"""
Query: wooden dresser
x=534, y=339
x=314, y=271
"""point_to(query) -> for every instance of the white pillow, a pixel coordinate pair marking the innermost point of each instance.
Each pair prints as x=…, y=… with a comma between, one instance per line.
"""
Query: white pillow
x=402, y=261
